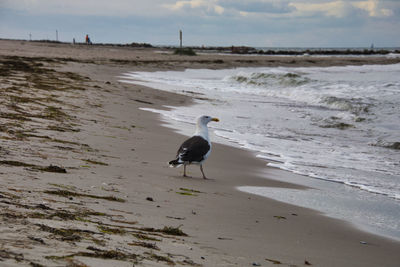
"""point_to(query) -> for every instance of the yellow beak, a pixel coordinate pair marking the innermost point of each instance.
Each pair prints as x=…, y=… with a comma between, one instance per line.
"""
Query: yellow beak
x=215, y=119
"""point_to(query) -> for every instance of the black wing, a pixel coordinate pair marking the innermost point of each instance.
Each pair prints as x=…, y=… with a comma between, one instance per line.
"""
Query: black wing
x=193, y=149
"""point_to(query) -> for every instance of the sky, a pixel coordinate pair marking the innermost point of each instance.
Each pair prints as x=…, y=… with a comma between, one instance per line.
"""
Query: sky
x=257, y=23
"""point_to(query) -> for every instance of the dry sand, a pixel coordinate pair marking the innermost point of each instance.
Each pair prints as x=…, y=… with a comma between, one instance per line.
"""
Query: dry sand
x=118, y=204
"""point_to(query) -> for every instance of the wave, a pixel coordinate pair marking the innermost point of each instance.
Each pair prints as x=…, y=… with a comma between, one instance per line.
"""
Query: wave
x=271, y=79
x=390, y=145
x=299, y=87
x=354, y=105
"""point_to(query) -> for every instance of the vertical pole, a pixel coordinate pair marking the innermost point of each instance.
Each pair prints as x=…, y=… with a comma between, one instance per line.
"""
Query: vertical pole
x=180, y=38
x=30, y=36
x=57, y=35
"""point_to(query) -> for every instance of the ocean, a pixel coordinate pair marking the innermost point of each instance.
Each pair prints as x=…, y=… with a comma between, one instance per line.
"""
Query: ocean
x=334, y=124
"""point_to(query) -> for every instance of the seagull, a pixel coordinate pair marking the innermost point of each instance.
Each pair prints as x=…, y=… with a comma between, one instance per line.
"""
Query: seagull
x=196, y=149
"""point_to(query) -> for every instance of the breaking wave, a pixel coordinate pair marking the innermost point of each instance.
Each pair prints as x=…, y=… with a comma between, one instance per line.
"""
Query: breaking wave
x=271, y=79
x=299, y=87
x=354, y=105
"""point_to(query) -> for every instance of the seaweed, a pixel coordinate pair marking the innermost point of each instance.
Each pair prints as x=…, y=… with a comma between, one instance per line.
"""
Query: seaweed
x=64, y=142
x=98, y=241
x=16, y=163
x=51, y=168
x=144, y=244
x=14, y=116
x=161, y=258
x=224, y=238
x=176, y=218
x=126, y=222
x=143, y=101
x=5, y=254
x=71, y=187
x=66, y=215
x=189, y=262
x=23, y=135
x=64, y=148
x=95, y=162
x=274, y=261
x=112, y=231
x=280, y=217
x=67, y=193
x=75, y=76
x=54, y=113
x=142, y=236
x=98, y=253
x=62, y=128
x=14, y=64
x=13, y=215
x=37, y=239
x=8, y=195
x=19, y=204
x=168, y=230
x=106, y=254
x=65, y=234
x=34, y=264
x=188, y=192
x=21, y=99
x=36, y=215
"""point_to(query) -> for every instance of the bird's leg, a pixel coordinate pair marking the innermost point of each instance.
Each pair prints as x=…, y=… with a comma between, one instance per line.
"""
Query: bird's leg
x=184, y=170
x=201, y=169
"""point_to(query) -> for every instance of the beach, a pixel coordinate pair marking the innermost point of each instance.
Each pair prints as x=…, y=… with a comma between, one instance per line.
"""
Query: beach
x=85, y=180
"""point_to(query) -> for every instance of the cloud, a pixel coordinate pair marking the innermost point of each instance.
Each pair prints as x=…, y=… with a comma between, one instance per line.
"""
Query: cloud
x=284, y=8
x=337, y=9
x=340, y=9
x=206, y=6
x=232, y=7
x=299, y=8
x=374, y=8
x=258, y=6
x=88, y=7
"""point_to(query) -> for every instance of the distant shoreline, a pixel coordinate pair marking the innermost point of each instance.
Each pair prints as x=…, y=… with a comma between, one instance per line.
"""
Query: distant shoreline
x=248, y=50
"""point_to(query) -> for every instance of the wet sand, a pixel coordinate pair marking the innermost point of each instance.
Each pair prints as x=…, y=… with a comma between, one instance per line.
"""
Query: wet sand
x=85, y=180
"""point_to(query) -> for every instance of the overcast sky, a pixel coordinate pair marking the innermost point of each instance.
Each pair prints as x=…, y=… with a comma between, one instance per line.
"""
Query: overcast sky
x=260, y=23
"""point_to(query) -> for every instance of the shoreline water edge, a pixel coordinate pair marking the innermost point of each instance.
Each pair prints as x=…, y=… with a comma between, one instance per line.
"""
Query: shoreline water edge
x=85, y=180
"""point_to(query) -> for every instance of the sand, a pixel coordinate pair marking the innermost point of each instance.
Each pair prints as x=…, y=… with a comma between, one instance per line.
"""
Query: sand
x=118, y=203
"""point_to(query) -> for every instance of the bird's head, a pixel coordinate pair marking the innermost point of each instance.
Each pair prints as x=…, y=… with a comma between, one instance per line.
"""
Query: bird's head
x=204, y=120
